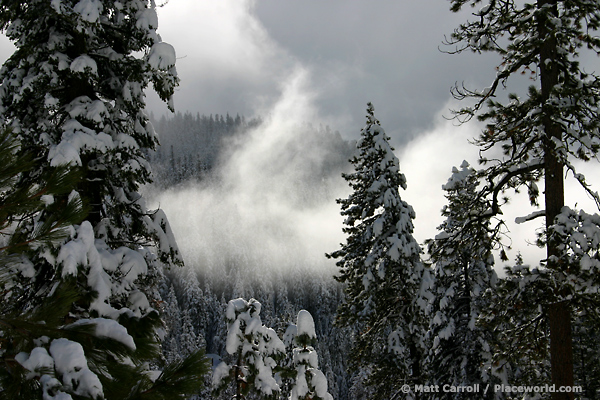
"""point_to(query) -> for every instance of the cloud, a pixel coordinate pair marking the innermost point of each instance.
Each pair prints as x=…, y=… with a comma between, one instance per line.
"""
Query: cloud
x=386, y=52
x=266, y=208
x=7, y=48
x=226, y=59
x=233, y=54
x=427, y=161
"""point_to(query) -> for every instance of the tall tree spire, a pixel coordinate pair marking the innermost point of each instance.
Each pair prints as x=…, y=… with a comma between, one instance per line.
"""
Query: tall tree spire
x=380, y=263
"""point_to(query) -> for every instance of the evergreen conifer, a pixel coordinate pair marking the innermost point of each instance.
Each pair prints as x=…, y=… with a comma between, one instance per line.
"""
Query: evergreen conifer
x=462, y=258
x=380, y=263
x=73, y=93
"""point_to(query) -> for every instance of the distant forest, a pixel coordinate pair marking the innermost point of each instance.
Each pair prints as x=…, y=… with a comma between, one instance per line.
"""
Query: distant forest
x=192, y=145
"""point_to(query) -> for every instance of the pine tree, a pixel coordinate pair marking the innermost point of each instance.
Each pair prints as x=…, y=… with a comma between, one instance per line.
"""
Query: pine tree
x=189, y=340
x=173, y=326
x=73, y=92
x=309, y=381
x=586, y=333
x=196, y=304
x=20, y=328
x=543, y=133
x=255, y=348
x=380, y=263
x=463, y=270
x=519, y=345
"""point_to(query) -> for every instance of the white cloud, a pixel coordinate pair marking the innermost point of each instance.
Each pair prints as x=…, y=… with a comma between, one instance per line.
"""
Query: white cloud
x=427, y=162
x=226, y=59
x=220, y=38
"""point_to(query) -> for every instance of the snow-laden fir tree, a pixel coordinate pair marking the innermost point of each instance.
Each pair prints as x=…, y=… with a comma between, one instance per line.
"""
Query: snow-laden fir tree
x=463, y=263
x=380, y=264
x=196, y=304
x=542, y=133
x=255, y=350
x=73, y=92
x=172, y=324
x=309, y=383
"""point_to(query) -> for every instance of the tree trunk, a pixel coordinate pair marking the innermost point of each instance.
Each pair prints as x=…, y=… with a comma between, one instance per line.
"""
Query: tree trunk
x=559, y=315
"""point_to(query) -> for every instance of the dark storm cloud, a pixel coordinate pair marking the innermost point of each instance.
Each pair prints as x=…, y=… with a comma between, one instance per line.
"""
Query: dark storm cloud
x=384, y=51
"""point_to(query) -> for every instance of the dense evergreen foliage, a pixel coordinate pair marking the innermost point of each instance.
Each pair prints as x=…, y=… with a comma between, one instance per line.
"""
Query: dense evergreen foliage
x=193, y=147
x=459, y=350
x=190, y=146
x=73, y=94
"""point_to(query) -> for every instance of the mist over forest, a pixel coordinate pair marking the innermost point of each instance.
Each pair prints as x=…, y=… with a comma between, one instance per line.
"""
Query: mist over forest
x=252, y=206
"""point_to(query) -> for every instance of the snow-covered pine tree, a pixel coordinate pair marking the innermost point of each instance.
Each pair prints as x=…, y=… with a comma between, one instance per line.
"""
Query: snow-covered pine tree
x=380, y=263
x=46, y=353
x=73, y=92
x=189, y=341
x=541, y=132
x=195, y=303
x=518, y=311
x=20, y=328
x=519, y=346
x=309, y=382
x=463, y=269
x=255, y=349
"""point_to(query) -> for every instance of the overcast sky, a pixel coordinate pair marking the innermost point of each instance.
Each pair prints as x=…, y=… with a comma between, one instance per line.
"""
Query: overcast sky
x=322, y=61
x=235, y=55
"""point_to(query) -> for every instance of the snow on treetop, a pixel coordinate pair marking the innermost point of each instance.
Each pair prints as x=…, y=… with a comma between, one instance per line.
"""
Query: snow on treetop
x=234, y=306
x=458, y=176
x=306, y=324
x=290, y=334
